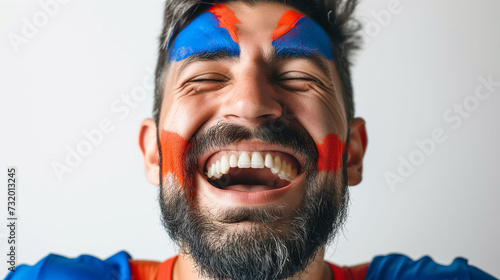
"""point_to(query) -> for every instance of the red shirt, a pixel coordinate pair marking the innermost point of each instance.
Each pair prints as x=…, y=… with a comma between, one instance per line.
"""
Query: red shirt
x=151, y=270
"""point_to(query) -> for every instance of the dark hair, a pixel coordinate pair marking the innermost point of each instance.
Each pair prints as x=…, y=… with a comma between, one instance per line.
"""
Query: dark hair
x=335, y=16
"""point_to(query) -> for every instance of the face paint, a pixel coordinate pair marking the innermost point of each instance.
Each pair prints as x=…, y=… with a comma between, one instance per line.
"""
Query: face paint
x=173, y=149
x=227, y=19
x=330, y=153
x=298, y=35
x=211, y=32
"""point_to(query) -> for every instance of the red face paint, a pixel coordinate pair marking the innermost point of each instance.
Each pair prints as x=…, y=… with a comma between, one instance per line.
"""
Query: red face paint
x=330, y=153
x=173, y=149
x=287, y=22
x=298, y=35
x=211, y=32
x=227, y=19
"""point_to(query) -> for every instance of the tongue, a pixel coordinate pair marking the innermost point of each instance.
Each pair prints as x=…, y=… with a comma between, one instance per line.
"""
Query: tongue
x=249, y=180
x=252, y=176
x=249, y=188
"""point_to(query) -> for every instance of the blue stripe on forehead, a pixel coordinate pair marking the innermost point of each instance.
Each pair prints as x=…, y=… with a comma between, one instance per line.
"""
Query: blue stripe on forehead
x=203, y=35
x=305, y=38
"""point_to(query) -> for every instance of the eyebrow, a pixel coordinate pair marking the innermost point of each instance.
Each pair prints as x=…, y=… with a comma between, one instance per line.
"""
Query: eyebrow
x=218, y=55
x=277, y=57
x=315, y=59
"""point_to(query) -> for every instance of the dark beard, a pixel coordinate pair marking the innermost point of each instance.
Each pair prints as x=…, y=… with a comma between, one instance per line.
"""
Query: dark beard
x=278, y=243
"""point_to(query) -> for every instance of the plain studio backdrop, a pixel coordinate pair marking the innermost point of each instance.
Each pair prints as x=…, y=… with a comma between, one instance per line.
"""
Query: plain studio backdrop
x=430, y=186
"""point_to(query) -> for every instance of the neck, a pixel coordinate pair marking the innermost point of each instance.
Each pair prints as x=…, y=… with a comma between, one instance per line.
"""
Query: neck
x=186, y=268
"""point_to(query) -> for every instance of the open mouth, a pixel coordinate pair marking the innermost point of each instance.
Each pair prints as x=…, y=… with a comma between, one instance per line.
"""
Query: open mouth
x=251, y=171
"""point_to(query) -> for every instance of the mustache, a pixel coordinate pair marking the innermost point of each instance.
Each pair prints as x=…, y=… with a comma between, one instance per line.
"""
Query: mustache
x=276, y=131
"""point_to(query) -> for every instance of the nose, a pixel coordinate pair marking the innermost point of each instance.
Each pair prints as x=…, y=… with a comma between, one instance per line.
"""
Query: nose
x=251, y=101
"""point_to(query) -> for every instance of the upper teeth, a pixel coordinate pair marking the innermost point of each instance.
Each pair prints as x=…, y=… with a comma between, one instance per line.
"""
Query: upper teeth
x=255, y=160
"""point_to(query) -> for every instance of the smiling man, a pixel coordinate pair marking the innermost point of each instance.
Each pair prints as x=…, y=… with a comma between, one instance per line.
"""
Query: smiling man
x=253, y=145
x=254, y=142
x=252, y=130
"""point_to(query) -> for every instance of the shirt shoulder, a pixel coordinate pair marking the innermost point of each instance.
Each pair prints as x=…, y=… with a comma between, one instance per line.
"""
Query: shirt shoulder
x=152, y=270
x=396, y=266
x=357, y=272
x=55, y=267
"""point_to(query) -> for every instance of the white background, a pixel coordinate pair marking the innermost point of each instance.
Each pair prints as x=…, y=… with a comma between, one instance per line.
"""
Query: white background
x=413, y=68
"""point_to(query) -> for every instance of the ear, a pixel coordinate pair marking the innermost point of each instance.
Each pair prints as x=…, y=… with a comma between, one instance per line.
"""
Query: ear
x=149, y=149
x=356, y=151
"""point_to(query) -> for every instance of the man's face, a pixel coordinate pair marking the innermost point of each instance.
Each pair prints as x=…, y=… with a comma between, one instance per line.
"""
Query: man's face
x=206, y=88
x=252, y=135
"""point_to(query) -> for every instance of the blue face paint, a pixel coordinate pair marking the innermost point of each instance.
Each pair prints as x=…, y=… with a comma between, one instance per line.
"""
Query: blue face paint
x=206, y=34
x=298, y=35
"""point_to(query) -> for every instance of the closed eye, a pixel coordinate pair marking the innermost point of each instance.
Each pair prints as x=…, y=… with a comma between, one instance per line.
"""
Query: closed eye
x=300, y=78
x=209, y=78
x=206, y=83
x=293, y=81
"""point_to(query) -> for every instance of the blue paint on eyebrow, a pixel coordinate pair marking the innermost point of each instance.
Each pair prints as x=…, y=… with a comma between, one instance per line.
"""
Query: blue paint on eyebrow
x=203, y=35
x=305, y=38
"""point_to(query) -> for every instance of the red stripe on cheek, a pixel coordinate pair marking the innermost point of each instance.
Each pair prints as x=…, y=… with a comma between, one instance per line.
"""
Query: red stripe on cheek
x=227, y=19
x=173, y=149
x=286, y=23
x=330, y=153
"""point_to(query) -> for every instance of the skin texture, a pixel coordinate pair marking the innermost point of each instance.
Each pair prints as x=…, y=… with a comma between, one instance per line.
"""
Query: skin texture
x=249, y=89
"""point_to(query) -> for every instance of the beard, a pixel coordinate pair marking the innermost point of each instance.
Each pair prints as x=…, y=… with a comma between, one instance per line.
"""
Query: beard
x=271, y=242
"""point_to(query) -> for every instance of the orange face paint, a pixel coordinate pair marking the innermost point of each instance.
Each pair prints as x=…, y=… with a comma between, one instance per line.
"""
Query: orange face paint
x=298, y=35
x=173, y=149
x=227, y=19
x=211, y=32
x=286, y=23
x=330, y=153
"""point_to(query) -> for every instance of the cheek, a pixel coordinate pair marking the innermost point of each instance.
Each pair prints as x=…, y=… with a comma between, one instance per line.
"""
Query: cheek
x=325, y=121
x=187, y=115
x=182, y=118
x=173, y=150
x=330, y=153
x=319, y=116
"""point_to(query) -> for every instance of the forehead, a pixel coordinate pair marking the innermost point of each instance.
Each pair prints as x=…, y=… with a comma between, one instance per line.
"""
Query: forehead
x=258, y=16
x=234, y=26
